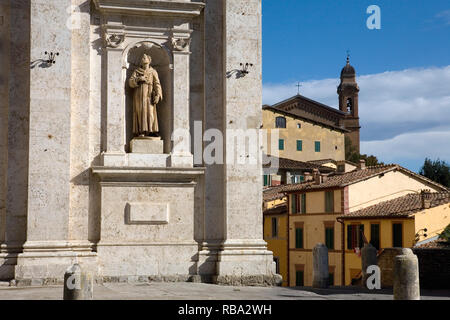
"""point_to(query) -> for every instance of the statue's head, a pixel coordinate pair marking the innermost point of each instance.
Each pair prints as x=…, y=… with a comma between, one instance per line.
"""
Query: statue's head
x=146, y=60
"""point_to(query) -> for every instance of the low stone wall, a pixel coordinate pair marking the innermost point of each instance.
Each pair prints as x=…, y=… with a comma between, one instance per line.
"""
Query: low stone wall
x=434, y=267
x=386, y=264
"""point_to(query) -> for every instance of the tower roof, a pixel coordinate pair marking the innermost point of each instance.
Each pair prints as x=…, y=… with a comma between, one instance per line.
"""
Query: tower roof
x=348, y=70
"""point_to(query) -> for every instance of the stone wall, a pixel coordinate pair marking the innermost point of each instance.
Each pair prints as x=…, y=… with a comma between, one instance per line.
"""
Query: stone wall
x=434, y=267
x=386, y=264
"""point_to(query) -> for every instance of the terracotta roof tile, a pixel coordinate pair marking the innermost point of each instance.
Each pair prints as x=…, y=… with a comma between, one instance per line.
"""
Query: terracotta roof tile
x=400, y=207
x=284, y=163
x=280, y=209
x=336, y=180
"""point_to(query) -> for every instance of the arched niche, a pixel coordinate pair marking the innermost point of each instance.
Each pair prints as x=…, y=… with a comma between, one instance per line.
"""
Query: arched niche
x=162, y=63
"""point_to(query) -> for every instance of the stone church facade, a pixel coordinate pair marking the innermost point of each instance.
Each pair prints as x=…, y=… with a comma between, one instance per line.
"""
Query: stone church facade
x=72, y=188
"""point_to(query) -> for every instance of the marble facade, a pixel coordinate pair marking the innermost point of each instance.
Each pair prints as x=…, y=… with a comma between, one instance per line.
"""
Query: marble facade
x=73, y=189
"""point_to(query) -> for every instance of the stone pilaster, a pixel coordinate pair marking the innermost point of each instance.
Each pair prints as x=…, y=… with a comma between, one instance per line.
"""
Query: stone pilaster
x=48, y=251
x=244, y=258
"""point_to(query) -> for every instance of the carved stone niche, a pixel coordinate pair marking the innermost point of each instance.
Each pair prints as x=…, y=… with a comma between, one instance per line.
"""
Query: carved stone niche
x=161, y=29
x=162, y=63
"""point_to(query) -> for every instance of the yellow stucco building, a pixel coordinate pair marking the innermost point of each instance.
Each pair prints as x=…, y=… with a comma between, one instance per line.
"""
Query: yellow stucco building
x=402, y=222
x=301, y=135
x=315, y=206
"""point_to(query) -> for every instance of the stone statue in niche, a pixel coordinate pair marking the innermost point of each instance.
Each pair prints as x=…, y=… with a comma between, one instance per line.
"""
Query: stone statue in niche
x=147, y=93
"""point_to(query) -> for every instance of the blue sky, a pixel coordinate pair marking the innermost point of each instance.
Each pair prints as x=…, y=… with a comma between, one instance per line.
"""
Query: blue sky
x=403, y=69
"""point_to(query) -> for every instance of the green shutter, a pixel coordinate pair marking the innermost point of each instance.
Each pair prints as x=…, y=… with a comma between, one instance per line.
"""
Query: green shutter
x=361, y=239
x=375, y=235
x=274, y=227
x=349, y=237
x=329, y=201
x=299, y=278
x=299, y=238
x=331, y=279
x=329, y=238
x=397, y=235
x=281, y=144
x=266, y=180
x=303, y=203
x=317, y=146
x=299, y=145
x=293, y=204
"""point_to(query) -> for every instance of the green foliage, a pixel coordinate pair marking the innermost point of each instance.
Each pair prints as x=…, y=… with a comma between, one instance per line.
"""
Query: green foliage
x=351, y=154
x=445, y=235
x=438, y=171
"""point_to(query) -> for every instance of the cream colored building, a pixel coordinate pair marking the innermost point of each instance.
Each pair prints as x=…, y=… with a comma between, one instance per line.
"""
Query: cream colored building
x=300, y=136
x=314, y=208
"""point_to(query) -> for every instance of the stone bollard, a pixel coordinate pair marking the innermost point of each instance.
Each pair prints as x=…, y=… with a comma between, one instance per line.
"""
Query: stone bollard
x=368, y=258
x=406, y=276
x=78, y=285
x=320, y=266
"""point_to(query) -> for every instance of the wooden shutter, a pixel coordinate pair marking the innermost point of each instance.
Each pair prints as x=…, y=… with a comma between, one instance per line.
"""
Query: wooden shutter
x=303, y=203
x=360, y=236
x=299, y=278
x=329, y=201
x=293, y=204
x=397, y=235
x=349, y=237
x=299, y=238
x=375, y=235
x=329, y=238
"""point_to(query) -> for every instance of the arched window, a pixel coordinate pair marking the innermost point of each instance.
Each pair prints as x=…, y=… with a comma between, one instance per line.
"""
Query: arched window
x=280, y=122
x=349, y=105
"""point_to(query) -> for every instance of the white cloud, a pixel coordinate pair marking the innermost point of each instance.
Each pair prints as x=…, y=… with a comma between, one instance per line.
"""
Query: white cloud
x=403, y=113
x=445, y=16
x=410, y=146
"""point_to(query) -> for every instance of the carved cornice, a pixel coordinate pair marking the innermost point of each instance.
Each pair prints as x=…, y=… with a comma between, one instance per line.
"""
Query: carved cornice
x=149, y=7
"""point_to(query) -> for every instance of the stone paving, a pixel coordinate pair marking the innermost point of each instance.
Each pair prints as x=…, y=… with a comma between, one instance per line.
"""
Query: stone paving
x=197, y=291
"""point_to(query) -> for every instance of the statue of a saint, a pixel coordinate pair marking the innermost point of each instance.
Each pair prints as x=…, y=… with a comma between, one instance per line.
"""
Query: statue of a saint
x=147, y=94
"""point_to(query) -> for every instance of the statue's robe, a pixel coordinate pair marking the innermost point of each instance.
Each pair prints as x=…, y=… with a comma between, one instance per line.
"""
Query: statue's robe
x=145, y=117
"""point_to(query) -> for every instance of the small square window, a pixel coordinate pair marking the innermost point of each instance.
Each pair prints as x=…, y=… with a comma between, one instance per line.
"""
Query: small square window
x=299, y=125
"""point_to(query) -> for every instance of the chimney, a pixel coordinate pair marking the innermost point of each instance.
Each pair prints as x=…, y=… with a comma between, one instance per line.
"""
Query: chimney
x=317, y=177
x=362, y=164
x=308, y=176
x=340, y=166
x=425, y=196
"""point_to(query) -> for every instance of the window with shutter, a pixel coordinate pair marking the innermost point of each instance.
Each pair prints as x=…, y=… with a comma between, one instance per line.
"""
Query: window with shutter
x=299, y=145
x=299, y=278
x=303, y=203
x=299, y=238
x=274, y=227
x=375, y=235
x=329, y=201
x=281, y=144
x=397, y=235
x=329, y=238
x=317, y=146
x=293, y=204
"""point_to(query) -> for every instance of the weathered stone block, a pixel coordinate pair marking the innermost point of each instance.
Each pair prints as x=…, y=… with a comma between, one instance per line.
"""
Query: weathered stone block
x=147, y=146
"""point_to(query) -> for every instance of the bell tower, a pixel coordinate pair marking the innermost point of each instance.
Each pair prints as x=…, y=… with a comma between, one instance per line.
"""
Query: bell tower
x=348, y=103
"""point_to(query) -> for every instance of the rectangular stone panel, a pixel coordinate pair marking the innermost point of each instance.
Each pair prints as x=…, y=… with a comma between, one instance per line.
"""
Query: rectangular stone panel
x=147, y=213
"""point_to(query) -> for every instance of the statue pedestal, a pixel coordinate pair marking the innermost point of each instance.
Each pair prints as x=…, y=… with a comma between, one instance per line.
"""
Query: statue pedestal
x=147, y=145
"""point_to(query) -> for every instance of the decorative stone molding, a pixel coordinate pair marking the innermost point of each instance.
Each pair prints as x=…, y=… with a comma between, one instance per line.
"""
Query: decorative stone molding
x=180, y=44
x=114, y=40
x=146, y=7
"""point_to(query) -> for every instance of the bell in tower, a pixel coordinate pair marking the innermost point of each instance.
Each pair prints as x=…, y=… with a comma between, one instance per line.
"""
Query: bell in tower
x=348, y=91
